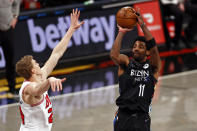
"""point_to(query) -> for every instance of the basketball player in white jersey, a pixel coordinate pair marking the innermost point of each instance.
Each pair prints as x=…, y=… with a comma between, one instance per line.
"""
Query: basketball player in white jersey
x=35, y=105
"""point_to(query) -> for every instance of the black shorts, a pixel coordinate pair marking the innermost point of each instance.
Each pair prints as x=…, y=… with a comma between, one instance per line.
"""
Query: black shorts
x=125, y=121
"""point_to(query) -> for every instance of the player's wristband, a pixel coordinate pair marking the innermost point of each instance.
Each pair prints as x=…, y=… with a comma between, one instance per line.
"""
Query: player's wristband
x=150, y=44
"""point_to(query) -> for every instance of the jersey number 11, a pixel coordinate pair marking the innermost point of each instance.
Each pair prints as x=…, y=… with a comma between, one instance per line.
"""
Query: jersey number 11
x=141, y=92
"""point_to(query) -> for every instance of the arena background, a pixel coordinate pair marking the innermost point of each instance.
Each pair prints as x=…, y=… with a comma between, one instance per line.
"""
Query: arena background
x=86, y=63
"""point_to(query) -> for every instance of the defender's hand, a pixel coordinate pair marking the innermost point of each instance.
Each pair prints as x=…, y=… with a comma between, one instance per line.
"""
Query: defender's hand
x=75, y=19
x=56, y=83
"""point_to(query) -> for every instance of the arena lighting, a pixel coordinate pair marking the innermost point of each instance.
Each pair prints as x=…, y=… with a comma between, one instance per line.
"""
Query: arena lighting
x=123, y=3
x=24, y=17
x=62, y=10
x=41, y=15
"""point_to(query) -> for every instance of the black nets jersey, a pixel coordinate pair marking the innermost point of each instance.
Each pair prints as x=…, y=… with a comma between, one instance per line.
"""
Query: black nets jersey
x=136, y=86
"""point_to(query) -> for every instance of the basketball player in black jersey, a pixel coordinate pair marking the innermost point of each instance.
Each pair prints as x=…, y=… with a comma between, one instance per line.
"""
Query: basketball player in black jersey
x=137, y=79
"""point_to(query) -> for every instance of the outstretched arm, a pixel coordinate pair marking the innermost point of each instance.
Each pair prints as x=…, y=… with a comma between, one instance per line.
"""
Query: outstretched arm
x=37, y=89
x=154, y=53
x=115, y=51
x=61, y=47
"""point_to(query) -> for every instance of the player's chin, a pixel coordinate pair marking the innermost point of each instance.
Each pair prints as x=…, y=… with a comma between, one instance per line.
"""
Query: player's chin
x=137, y=58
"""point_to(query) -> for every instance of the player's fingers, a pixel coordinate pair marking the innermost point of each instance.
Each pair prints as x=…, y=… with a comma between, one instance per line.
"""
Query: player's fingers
x=74, y=14
x=57, y=85
x=71, y=15
x=76, y=11
x=52, y=86
x=60, y=85
x=133, y=10
x=138, y=14
x=80, y=24
x=129, y=29
x=119, y=27
x=138, y=10
x=78, y=14
x=64, y=79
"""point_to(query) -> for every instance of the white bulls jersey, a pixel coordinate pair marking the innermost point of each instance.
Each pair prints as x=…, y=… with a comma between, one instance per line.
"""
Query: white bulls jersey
x=37, y=117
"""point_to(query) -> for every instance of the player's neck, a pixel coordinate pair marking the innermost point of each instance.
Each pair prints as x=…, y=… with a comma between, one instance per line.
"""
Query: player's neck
x=141, y=61
x=36, y=78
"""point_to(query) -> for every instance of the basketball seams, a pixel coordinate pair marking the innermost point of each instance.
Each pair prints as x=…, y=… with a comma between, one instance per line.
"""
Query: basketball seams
x=126, y=18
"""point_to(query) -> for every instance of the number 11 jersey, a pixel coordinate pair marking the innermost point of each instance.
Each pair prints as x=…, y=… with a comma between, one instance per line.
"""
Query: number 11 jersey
x=136, y=86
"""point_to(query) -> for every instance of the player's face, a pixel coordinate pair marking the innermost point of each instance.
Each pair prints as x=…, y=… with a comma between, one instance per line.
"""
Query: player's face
x=36, y=68
x=139, y=51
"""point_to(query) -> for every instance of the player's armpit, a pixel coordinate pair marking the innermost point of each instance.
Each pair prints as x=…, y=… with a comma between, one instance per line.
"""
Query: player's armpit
x=29, y=89
x=121, y=69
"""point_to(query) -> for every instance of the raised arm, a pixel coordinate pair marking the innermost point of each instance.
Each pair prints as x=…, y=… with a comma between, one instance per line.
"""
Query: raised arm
x=155, y=60
x=115, y=51
x=61, y=47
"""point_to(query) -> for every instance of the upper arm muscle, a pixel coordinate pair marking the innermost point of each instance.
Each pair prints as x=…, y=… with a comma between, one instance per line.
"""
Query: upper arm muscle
x=121, y=59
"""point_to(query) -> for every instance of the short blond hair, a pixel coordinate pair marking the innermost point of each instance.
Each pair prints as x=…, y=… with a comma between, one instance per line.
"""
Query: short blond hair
x=24, y=67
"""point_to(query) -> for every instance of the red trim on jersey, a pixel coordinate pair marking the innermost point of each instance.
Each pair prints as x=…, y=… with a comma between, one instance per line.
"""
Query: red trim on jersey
x=24, y=88
x=50, y=110
x=22, y=115
x=32, y=105
x=26, y=80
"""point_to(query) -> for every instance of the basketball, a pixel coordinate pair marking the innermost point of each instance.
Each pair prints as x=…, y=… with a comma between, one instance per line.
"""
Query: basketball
x=126, y=17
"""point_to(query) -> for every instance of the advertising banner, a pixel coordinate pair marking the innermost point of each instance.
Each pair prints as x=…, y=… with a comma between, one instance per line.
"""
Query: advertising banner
x=38, y=37
x=151, y=14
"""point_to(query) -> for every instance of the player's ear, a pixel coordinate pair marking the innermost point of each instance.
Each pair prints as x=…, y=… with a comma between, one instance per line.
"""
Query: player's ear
x=33, y=71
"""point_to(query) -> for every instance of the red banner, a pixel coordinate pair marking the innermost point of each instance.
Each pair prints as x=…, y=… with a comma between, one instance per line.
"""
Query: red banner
x=151, y=14
x=171, y=28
